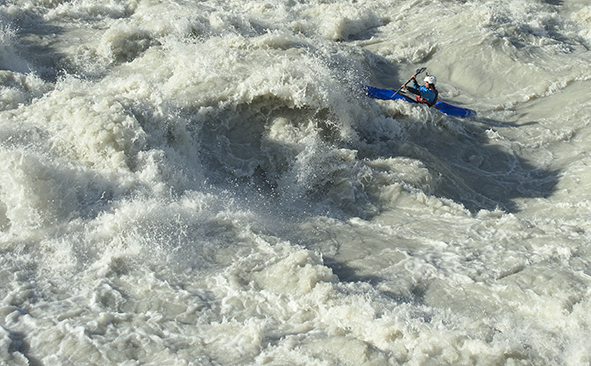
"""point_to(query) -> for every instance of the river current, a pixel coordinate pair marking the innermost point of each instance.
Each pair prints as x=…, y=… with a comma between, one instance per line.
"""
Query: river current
x=205, y=183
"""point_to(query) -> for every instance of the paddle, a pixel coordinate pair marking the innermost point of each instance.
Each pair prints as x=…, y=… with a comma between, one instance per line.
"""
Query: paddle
x=409, y=80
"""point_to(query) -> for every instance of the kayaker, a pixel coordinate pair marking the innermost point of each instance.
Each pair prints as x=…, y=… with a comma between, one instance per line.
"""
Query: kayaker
x=425, y=93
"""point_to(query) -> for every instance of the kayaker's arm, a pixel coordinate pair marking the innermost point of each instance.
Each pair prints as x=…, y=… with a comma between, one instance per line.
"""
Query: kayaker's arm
x=414, y=82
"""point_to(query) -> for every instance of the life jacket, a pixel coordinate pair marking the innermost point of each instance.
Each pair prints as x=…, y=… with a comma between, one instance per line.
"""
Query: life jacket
x=420, y=99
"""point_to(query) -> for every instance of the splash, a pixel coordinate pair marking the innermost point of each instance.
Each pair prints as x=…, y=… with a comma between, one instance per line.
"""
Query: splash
x=206, y=183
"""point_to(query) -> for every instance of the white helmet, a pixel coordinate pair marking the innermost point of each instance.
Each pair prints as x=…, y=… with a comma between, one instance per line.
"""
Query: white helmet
x=430, y=79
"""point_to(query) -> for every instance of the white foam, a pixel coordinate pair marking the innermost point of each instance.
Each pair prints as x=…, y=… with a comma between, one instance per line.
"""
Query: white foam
x=206, y=183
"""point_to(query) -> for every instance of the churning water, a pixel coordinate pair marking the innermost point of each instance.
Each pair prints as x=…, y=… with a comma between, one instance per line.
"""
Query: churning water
x=203, y=182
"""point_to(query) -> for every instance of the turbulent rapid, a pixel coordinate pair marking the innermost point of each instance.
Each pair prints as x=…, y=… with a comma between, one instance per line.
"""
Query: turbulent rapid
x=205, y=182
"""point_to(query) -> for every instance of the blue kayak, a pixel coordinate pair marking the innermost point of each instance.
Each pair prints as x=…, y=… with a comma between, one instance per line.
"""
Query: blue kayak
x=389, y=94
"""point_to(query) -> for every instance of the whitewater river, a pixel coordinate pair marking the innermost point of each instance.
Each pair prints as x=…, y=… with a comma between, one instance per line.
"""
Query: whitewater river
x=204, y=182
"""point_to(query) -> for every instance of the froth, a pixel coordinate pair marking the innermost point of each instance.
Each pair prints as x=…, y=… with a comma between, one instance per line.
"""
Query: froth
x=208, y=184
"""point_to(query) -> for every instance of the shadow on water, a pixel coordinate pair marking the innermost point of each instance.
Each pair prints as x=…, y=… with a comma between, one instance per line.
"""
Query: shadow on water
x=52, y=50
x=554, y=2
x=466, y=163
x=20, y=345
x=34, y=44
x=345, y=273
